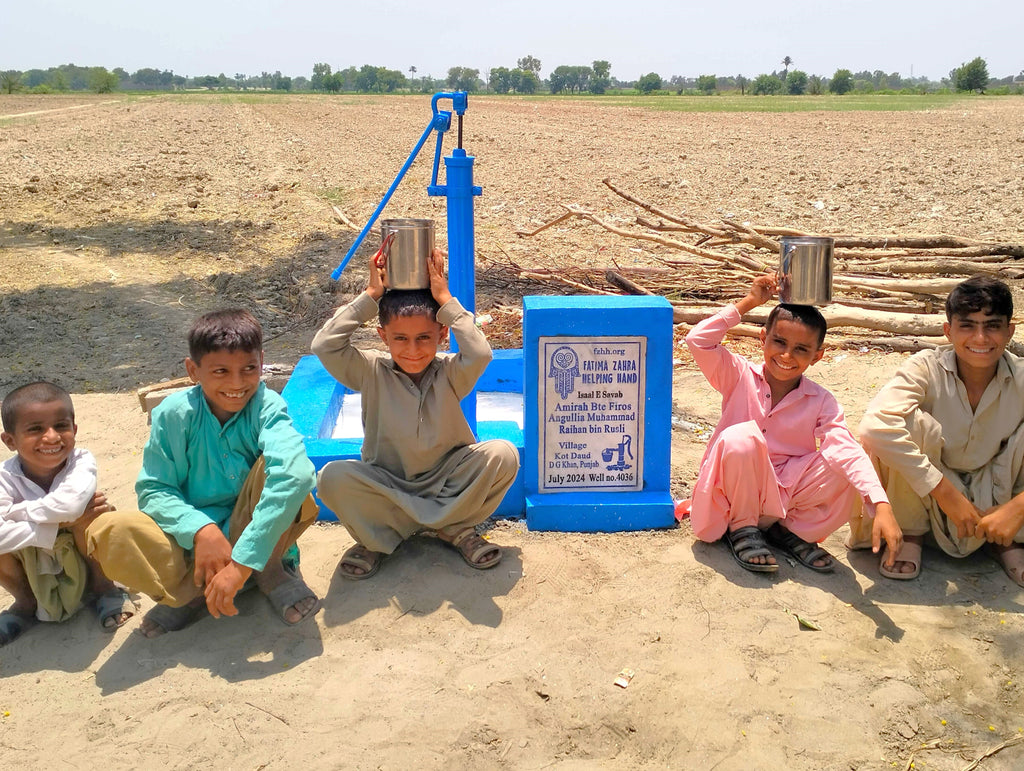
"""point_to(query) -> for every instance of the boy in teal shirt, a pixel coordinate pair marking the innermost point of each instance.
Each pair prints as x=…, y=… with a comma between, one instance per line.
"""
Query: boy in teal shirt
x=224, y=490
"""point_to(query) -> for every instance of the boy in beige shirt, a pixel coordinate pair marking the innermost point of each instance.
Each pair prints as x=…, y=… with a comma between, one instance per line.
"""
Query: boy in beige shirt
x=947, y=439
x=421, y=469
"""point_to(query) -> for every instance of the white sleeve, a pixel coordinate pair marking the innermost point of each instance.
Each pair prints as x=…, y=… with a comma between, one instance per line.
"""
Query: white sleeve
x=15, y=536
x=65, y=502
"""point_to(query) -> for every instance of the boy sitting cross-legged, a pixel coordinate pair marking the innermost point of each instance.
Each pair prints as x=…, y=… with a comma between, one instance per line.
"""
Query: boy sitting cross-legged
x=47, y=499
x=421, y=468
x=224, y=490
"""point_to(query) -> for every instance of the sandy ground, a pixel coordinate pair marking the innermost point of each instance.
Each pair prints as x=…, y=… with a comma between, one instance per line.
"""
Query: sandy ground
x=432, y=664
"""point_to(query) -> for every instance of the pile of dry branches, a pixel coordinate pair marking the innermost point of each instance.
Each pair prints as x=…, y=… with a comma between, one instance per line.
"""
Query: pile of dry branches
x=890, y=284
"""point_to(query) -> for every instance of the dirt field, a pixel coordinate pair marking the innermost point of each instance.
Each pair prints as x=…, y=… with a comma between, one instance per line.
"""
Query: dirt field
x=121, y=220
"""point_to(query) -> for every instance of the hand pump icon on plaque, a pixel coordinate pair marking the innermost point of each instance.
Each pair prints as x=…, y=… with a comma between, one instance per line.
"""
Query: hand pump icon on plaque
x=623, y=449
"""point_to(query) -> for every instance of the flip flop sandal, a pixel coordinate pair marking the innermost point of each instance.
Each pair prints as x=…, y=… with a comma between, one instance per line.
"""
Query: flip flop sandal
x=174, y=619
x=288, y=593
x=13, y=625
x=111, y=604
x=746, y=543
x=796, y=547
x=474, y=550
x=358, y=556
x=1011, y=560
x=910, y=552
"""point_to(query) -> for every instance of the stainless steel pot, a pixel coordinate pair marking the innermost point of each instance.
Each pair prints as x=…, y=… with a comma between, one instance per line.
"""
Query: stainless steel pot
x=805, y=270
x=406, y=245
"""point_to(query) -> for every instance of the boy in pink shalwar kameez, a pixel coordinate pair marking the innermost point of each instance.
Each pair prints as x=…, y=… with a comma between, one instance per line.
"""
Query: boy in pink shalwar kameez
x=781, y=464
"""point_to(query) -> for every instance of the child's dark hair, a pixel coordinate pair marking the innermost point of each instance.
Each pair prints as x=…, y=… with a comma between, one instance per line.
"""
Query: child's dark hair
x=39, y=392
x=231, y=329
x=980, y=293
x=807, y=315
x=406, y=302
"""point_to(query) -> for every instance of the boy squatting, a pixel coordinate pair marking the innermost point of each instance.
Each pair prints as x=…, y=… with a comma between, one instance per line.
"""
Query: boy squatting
x=48, y=497
x=421, y=469
x=224, y=490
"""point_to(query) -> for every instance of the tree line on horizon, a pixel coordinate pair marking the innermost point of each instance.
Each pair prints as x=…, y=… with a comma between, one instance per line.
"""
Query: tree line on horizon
x=524, y=78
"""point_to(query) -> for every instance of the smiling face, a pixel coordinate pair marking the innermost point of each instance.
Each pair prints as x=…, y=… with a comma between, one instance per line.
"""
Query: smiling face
x=229, y=379
x=43, y=437
x=790, y=347
x=979, y=340
x=413, y=342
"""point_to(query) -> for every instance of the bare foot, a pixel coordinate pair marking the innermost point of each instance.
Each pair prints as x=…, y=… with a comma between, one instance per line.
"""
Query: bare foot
x=116, y=621
x=112, y=607
x=750, y=550
x=295, y=613
x=14, y=622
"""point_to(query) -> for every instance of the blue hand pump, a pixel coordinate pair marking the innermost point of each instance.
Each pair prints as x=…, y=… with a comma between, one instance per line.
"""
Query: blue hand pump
x=458, y=191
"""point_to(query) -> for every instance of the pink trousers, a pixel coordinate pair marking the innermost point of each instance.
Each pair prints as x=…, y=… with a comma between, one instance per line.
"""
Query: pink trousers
x=738, y=486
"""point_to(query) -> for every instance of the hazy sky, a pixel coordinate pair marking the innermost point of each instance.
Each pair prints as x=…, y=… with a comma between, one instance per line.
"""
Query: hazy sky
x=669, y=37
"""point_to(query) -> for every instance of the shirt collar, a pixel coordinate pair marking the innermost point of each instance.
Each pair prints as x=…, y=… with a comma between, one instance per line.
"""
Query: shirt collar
x=947, y=360
x=234, y=418
x=18, y=470
x=428, y=373
x=803, y=388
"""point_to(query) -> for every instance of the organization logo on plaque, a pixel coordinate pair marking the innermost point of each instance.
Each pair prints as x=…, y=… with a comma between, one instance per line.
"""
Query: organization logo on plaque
x=591, y=413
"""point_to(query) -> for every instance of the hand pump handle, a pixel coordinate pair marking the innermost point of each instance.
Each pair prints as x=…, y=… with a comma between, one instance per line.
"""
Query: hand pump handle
x=440, y=121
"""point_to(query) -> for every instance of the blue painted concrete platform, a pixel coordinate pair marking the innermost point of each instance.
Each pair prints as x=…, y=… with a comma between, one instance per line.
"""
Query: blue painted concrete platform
x=315, y=399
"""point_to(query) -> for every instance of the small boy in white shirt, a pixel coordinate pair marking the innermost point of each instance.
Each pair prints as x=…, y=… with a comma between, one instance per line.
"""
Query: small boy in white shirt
x=47, y=498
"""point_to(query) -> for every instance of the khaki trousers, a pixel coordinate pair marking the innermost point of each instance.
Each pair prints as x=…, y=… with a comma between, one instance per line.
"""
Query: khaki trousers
x=380, y=510
x=58, y=595
x=993, y=484
x=133, y=550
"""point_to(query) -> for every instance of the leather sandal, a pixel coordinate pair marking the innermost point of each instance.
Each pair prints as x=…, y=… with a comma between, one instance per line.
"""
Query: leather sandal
x=910, y=552
x=358, y=556
x=746, y=543
x=804, y=552
x=477, y=552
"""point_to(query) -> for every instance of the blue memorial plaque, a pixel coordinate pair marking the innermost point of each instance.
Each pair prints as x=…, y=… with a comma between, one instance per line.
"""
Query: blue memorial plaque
x=597, y=375
x=592, y=413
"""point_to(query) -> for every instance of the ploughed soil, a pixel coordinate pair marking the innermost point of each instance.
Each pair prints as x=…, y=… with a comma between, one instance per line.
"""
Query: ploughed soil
x=121, y=219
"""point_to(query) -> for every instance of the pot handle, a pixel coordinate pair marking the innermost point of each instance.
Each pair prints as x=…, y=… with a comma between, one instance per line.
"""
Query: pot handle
x=380, y=259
